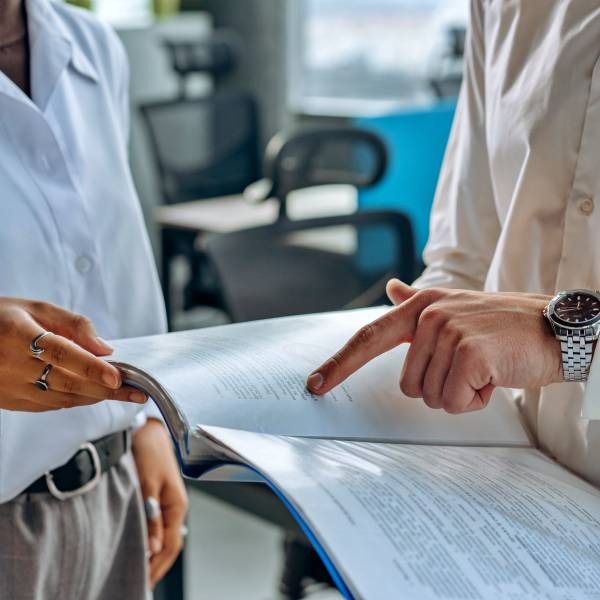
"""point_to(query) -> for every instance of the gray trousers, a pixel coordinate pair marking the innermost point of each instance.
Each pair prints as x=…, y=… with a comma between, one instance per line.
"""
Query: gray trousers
x=91, y=547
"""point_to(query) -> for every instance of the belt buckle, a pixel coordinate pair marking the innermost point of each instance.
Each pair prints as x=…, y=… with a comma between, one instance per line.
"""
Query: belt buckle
x=86, y=487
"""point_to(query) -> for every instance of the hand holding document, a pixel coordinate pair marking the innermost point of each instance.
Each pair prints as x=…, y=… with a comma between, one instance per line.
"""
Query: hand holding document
x=463, y=345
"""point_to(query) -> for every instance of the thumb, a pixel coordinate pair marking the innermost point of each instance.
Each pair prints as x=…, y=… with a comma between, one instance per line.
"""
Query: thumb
x=398, y=291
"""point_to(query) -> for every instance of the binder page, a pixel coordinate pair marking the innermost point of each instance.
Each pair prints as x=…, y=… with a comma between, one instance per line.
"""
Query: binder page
x=426, y=522
x=251, y=376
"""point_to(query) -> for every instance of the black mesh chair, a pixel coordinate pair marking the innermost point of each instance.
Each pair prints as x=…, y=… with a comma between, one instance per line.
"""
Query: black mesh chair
x=311, y=265
x=204, y=146
x=313, y=157
x=317, y=264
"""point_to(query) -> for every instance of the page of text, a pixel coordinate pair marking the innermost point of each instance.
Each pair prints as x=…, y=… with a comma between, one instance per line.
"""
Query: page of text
x=252, y=376
x=426, y=522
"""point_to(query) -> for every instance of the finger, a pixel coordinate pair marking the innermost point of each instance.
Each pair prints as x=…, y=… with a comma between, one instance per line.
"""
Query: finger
x=61, y=380
x=52, y=400
x=172, y=544
x=64, y=353
x=438, y=368
x=398, y=291
x=75, y=327
x=155, y=540
x=415, y=364
x=23, y=405
x=482, y=398
x=155, y=526
x=379, y=336
x=463, y=383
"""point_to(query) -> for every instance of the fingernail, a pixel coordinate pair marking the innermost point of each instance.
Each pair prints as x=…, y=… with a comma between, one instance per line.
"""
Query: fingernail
x=111, y=380
x=315, y=381
x=104, y=344
x=137, y=397
x=155, y=545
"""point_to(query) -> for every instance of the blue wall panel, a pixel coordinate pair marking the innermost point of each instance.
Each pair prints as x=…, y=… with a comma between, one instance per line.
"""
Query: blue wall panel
x=416, y=141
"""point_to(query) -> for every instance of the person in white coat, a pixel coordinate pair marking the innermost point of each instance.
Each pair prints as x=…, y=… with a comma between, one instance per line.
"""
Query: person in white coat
x=76, y=267
x=513, y=223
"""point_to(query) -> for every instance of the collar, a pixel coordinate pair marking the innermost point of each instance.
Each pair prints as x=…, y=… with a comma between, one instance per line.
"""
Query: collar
x=45, y=22
x=53, y=46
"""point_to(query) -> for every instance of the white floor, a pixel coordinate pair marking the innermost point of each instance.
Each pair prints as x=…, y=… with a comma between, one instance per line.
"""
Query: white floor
x=232, y=556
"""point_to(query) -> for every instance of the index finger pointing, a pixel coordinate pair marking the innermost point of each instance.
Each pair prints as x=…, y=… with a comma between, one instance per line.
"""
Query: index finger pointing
x=64, y=353
x=375, y=338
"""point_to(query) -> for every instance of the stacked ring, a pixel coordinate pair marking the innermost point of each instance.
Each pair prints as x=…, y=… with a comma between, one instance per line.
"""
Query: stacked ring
x=42, y=382
x=33, y=346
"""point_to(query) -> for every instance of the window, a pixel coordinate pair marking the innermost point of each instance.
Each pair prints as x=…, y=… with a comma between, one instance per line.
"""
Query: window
x=351, y=55
x=120, y=12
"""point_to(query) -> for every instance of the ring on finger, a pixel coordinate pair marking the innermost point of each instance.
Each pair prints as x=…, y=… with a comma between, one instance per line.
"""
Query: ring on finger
x=152, y=508
x=42, y=382
x=34, y=348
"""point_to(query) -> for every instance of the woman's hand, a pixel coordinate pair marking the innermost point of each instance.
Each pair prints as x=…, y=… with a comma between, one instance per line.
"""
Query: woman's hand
x=463, y=345
x=77, y=377
x=159, y=478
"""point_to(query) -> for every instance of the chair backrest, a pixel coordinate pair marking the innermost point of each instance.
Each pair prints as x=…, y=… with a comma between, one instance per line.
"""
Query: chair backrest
x=216, y=56
x=204, y=147
x=315, y=157
x=312, y=265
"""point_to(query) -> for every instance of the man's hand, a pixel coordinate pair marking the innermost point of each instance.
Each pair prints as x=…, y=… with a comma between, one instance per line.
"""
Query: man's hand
x=78, y=376
x=159, y=477
x=463, y=345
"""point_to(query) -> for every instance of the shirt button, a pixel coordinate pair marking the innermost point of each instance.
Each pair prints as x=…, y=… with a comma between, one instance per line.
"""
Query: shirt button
x=586, y=206
x=83, y=264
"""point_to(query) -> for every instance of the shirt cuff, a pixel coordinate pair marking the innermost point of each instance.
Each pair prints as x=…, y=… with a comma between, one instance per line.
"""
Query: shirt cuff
x=149, y=411
x=152, y=411
x=591, y=396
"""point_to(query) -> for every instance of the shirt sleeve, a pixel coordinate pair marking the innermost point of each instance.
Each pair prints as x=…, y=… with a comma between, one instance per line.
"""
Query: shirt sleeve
x=464, y=225
x=591, y=397
x=152, y=411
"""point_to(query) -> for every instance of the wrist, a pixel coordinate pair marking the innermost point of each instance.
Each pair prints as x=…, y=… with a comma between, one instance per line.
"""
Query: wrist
x=574, y=316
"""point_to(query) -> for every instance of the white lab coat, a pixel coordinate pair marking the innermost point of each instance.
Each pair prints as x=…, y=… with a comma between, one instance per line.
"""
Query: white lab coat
x=71, y=228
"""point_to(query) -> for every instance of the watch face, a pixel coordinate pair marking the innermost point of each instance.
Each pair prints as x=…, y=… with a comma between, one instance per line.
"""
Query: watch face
x=577, y=308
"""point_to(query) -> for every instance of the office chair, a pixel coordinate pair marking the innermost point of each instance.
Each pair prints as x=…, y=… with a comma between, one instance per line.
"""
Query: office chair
x=319, y=156
x=311, y=265
x=318, y=264
x=203, y=146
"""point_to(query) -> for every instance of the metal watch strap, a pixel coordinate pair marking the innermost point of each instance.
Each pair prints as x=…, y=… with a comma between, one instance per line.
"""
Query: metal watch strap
x=577, y=347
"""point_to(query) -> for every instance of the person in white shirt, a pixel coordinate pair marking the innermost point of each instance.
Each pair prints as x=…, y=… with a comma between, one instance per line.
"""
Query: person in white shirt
x=76, y=265
x=514, y=221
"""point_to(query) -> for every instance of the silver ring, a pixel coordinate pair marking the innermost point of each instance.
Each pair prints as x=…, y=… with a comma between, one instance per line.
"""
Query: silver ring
x=152, y=508
x=42, y=382
x=34, y=348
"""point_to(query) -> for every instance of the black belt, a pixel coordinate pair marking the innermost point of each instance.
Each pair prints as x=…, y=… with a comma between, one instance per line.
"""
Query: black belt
x=83, y=471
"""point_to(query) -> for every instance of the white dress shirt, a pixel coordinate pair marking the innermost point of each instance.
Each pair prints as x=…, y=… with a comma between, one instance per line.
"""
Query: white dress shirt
x=515, y=206
x=71, y=230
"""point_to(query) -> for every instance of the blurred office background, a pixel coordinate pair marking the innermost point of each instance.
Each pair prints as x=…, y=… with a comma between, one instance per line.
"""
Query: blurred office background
x=286, y=154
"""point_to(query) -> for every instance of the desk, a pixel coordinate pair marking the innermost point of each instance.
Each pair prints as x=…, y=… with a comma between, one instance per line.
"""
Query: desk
x=233, y=213
x=182, y=225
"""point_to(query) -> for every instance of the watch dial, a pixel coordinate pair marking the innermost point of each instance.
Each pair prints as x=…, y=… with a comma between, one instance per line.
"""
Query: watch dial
x=577, y=308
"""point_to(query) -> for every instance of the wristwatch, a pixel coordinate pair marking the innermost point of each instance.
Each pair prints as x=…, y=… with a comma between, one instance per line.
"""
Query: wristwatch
x=575, y=319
